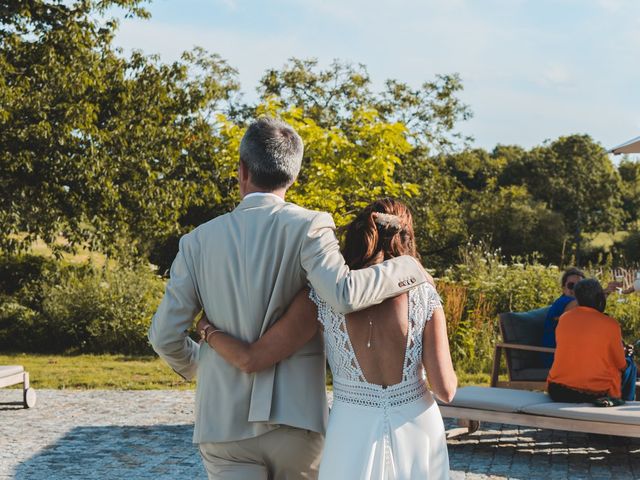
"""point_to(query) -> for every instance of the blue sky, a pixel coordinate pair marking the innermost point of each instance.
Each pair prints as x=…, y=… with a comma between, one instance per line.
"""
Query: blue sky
x=532, y=69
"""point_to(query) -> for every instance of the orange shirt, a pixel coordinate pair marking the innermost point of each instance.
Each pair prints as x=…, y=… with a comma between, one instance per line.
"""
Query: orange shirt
x=589, y=354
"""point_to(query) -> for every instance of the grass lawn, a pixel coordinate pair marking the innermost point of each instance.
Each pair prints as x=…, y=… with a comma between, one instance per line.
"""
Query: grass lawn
x=97, y=371
x=82, y=255
x=122, y=373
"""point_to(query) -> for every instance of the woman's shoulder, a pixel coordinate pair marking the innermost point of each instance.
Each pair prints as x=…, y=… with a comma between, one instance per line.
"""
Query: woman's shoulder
x=424, y=300
x=427, y=290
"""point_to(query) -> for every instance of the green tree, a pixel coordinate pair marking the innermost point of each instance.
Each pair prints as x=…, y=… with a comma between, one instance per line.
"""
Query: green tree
x=340, y=174
x=574, y=176
x=103, y=150
x=330, y=97
x=629, y=171
x=392, y=130
x=125, y=154
x=509, y=219
x=439, y=217
x=475, y=169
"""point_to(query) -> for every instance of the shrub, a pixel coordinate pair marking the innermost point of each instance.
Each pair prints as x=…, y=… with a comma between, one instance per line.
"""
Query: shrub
x=94, y=311
x=627, y=311
x=631, y=247
x=481, y=286
x=79, y=308
x=19, y=324
x=17, y=271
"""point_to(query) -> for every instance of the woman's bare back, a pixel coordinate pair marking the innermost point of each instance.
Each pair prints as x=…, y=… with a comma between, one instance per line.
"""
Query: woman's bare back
x=378, y=336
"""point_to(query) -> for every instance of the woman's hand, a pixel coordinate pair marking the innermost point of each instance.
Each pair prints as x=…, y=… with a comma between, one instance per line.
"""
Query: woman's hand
x=295, y=327
x=203, y=327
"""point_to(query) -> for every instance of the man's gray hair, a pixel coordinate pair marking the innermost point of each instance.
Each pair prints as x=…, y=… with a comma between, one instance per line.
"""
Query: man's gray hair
x=272, y=151
x=589, y=293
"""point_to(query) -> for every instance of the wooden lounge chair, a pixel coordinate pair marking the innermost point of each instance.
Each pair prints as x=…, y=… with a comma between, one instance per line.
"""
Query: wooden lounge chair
x=13, y=375
x=473, y=405
x=522, y=337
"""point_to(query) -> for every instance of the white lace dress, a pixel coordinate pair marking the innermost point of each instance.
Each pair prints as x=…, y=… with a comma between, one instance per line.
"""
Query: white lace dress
x=378, y=433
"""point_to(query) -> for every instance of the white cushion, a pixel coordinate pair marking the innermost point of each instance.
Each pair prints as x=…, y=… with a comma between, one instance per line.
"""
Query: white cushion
x=7, y=370
x=629, y=413
x=497, y=399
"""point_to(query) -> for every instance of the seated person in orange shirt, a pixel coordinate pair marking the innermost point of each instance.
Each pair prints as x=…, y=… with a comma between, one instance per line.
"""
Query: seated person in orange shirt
x=590, y=356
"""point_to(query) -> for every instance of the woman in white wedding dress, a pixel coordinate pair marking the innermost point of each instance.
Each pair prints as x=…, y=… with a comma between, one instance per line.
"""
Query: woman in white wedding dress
x=384, y=423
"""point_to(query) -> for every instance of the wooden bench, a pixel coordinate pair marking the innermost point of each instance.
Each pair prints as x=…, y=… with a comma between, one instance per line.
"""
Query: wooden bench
x=13, y=375
x=473, y=405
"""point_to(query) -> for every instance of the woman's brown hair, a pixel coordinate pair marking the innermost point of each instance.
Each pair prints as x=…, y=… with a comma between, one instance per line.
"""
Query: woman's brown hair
x=383, y=230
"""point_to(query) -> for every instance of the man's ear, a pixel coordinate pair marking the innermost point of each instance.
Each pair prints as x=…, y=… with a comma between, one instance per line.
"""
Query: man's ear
x=243, y=171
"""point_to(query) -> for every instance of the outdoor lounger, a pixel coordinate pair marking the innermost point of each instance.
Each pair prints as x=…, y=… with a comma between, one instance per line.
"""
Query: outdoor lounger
x=536, y=409
x=13, y=375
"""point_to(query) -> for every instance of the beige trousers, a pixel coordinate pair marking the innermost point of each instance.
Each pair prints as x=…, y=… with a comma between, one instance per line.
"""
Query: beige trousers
x=285, y=453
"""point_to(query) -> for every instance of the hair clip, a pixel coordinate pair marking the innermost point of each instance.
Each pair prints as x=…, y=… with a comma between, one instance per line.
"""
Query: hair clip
x=387, y=221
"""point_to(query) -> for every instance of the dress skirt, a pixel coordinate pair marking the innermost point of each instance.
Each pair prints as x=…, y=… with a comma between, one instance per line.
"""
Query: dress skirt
x=406, y=442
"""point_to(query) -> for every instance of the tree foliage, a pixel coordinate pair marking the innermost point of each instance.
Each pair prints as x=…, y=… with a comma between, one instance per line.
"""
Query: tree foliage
x=574, y=176
x=97, y=148
x=125, y=153
x=630, y=177
x=330, y=97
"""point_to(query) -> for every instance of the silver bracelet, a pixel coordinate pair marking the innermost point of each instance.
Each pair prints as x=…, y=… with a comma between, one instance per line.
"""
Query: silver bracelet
x=209, y=333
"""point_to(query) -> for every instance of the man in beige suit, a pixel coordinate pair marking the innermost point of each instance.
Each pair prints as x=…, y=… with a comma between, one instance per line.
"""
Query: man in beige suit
x=243, y=269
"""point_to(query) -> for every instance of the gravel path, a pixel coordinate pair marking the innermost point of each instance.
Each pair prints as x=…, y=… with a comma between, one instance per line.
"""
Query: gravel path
x=107, y=434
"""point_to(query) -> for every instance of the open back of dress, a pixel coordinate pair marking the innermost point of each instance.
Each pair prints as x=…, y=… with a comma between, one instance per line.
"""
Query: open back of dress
x=376, y=432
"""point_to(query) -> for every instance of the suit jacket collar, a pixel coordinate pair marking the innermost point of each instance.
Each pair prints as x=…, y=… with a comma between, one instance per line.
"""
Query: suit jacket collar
x=252, y=201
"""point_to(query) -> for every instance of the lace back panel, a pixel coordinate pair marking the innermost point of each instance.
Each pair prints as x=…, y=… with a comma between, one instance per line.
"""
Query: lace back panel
x=350, y=383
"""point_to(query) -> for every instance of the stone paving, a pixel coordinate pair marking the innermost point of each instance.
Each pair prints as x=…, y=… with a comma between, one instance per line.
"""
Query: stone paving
x=100, y=434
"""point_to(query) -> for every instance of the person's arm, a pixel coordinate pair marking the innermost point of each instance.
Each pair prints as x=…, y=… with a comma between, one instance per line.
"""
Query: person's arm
x=436, y=357
x=175, y=315
x=293, y=330
x=349, y=290
x=572, y=304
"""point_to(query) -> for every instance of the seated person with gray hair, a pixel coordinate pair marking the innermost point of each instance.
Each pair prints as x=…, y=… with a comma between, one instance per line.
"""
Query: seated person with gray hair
x=590, y=363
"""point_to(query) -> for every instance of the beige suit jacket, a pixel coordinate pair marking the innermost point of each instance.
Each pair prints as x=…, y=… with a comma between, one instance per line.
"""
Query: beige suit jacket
x=243, y=269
